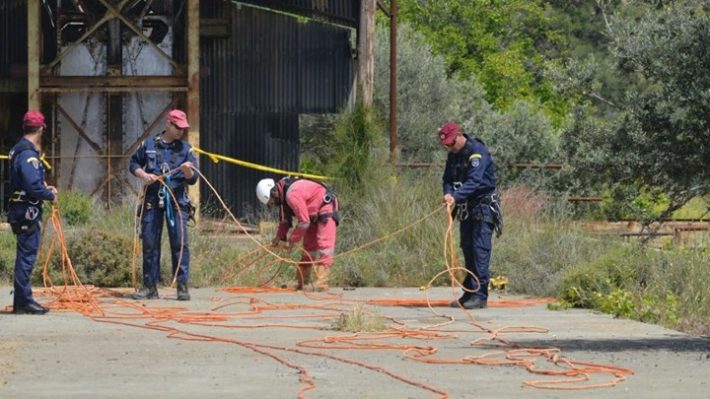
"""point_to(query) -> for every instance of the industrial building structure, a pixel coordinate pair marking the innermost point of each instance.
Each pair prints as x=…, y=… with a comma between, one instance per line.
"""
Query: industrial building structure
x=106, y=72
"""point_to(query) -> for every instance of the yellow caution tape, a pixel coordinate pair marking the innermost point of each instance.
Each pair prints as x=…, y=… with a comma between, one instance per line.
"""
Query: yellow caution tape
x=44, y=161
x=42, y=158
x=216, y=158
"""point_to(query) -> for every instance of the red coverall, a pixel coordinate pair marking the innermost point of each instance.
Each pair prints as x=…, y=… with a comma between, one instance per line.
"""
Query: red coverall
x=305, y=199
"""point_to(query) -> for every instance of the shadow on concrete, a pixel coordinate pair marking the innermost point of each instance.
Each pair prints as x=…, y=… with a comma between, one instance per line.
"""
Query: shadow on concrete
x=676, y=344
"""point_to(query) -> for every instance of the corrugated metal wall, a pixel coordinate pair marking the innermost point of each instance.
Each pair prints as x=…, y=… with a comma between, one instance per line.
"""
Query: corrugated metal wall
x=13, y=66
x=13, y=25
x=256, y=83
x=345, y=12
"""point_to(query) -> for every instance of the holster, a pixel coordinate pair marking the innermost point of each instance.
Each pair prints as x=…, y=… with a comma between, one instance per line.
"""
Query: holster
x=23, y=226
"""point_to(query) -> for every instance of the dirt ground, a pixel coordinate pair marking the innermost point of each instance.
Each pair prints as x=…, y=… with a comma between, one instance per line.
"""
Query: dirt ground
x=266, y=350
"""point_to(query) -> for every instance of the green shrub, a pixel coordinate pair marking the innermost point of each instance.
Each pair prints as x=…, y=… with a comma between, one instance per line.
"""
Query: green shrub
x=619, y=302
x=347, y=147
x=76, y=208
x=583, y=284
x=668, y=287
x=7, y=256
x=101, y=257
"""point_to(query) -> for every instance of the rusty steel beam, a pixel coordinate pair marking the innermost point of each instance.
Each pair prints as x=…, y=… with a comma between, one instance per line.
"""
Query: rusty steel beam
x=114, y=105
x=415, y=165
x=34, y=53
x=118, y=178
x=113, y=84
x=125, y=89
x=129, y=25
x=126, y=156
x=153, y=125
x=366, y=51
x=384, y=9
x=419, y=165
x=193, y=93
x=97, y=148
x=107, y=17
x=291, y=8
x=538, y=166
x=393, y=81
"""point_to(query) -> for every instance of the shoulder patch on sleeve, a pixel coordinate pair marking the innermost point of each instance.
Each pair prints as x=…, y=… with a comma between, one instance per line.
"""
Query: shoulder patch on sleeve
x=34, y=161
x=475, y=160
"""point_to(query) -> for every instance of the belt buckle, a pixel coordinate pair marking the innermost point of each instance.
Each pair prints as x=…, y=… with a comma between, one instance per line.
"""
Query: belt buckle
x=18, y=196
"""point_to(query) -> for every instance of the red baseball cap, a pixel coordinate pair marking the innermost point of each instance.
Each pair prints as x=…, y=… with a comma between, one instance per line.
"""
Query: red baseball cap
x=33, y=119
x=448, y=132
x=178, y=118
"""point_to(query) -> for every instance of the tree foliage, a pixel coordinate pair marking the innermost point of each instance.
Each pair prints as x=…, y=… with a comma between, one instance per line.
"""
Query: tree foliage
x=505, y=44
x=426, y=96
x=658, y=142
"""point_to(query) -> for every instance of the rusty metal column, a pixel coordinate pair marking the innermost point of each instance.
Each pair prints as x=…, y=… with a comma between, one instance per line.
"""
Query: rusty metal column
x=114, y=111
x=393, y=82
x=193, y=91
x=34, y=52
x=366, y=51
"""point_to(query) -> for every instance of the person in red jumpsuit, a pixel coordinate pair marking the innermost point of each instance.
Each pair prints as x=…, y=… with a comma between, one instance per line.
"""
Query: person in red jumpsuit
x=314, y=207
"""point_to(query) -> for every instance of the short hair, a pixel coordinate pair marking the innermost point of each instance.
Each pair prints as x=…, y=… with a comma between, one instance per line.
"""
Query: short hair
x=30, y=129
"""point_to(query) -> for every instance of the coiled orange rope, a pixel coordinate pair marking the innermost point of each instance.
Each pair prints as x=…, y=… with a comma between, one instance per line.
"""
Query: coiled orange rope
x=103, y=306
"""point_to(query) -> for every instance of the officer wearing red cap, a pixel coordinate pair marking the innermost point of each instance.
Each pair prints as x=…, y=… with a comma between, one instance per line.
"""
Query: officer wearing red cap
x=28, y=190
x=469, y=184
x=173, y=159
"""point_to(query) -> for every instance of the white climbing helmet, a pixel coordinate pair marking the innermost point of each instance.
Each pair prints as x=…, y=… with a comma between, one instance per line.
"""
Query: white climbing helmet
x=263, y=190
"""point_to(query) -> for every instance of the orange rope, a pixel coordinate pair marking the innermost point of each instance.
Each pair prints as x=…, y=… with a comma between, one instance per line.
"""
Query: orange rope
x=102, y=306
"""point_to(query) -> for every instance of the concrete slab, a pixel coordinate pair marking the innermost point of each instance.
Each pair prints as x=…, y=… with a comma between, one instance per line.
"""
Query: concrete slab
x=67, y=355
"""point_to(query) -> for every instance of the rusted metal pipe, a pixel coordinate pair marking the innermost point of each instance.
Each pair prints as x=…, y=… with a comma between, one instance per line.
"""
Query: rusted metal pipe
x=393, y=81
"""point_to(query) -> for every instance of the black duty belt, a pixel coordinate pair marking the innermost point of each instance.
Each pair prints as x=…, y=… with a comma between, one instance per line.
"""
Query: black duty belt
x=21, y=196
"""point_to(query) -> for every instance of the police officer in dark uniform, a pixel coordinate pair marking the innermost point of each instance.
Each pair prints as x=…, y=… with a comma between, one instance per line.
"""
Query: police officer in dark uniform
x=469, y=184
x=25, y=209
x=169, y=156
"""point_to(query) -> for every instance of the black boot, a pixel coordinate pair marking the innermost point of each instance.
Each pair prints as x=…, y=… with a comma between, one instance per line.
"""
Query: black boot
x=182, y=294
x=146, y=293
x=30, y=308
x=46, y=309
x=475, y=302
x=459, y=302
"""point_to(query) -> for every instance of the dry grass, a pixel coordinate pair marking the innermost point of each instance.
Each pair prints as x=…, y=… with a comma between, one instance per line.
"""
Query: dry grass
x=523, y=204
x=360, y=319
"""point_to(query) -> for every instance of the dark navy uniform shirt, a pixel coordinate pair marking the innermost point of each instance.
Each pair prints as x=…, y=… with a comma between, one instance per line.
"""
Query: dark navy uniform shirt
x=157, y=157
x=27, y=172
x=469, y=174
